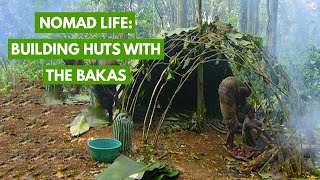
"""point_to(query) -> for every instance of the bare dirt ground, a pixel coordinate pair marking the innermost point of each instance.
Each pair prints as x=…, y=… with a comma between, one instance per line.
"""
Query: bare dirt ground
x=36, y=144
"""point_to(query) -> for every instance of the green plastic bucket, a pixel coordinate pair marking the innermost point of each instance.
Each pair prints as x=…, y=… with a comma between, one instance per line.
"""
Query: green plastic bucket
x=104, y=149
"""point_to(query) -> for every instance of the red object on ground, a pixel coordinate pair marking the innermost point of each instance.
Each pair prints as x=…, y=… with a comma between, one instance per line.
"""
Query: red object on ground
x=240, y=152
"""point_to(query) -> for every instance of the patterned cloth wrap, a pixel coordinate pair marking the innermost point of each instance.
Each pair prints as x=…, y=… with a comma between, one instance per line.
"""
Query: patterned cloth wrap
x=99, y=96
x=228, y=95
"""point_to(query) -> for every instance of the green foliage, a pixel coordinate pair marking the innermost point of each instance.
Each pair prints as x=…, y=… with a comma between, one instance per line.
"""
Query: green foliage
x=12, y=71
x=145, y=21
x=16, y=19
x=311, y=73
x=121, y=168
x=81, y=127
x=316, y=172
x=89, y=117
x=265, y=175
x=125, y=168
x=95, y=117
x=159, y=171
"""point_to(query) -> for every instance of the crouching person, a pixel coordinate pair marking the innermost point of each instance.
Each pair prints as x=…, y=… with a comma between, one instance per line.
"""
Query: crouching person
x=232, y=94
x=252, y=129
x=104, y=96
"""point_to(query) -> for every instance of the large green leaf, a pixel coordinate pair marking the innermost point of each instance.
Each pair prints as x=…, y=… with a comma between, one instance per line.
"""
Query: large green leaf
x=149, y=77
x=237, y=36
x=180, y=30
x=95, y=117
x=186, y=63
x=187, y=43
x=121, y=169
x=247, y=44
x=158, y=171
x=233, y=39
x=316, y=172
x=266, y=175
x=81, y=127
x=258, y=41
x=169, y=76
x=134, y=64
x=204, y=27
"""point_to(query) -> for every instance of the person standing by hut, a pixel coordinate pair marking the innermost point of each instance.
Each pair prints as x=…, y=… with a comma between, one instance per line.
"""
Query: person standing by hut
x=232, y=94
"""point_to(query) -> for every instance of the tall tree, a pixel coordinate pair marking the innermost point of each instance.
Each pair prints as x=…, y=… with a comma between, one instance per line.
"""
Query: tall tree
x=271, y=34
x=193, y=15
x=256, y=17
x=273, y=24
x=200, y=97
x=243, y=16
x=249, y=16
x=172, y=15
x=252, y=16
x=154, y=20
x=182, y=14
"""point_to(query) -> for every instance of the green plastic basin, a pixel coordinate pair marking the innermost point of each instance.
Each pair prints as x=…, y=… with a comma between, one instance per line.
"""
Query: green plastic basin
x=104, y=149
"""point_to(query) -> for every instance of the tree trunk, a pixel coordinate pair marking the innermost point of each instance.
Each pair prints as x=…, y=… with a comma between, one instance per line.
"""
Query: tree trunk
x=172, y=15
x=268, y=29
x=200, y=98
x=153, y=20
x=182, y=14
x=256, y=17
x=271, y=34
x=193, y=7
x=273, y=23
x=253, y=16
x=243, y=16
x=213, y=10
x=249, y=16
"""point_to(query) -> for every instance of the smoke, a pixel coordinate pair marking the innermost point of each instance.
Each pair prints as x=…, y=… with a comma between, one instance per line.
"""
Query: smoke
x=17, y=17
x=298, y=30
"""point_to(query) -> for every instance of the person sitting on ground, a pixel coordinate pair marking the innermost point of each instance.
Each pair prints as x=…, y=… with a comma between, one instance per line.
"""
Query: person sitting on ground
x=253, y=130
x=232, y=95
